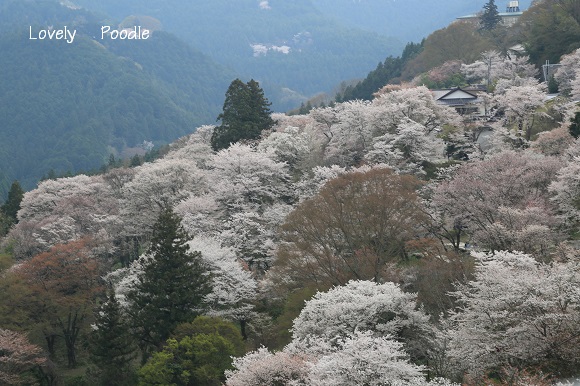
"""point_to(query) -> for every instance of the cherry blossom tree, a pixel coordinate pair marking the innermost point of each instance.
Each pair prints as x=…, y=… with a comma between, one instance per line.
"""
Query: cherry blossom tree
x=412, y=104
x=566, y=192
x=290, y=145
x=516, y=312
x=63, y=210
x=261, y=367
x=361, y=359
x=233, y=287
x=249, y=197
x=254, y=235
x=18, y=358
x=311, y=184
x=494, y=66
x=155, y=185
x=567, y=75
x=407, y=149
x=406, y=123
x=351, y=134
x=194, y=148
x=201, y=215
x=117, y=178
x=521, y=108
x=575, y=88
x=554, y=142
x=245, y=179
x=403, y=122
x=364, y=359
x=381, y=309
x=502, y=202
x=304, y=150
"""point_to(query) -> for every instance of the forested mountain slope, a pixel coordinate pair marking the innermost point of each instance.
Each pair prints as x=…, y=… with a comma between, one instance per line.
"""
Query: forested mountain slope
x=368, y=242
x=283, y=44
x=66, y=107
x=547, y=30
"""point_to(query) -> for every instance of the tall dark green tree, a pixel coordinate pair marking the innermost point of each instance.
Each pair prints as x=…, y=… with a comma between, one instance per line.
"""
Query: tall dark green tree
x=490, y=17
x=575, y=126
x=112, y=346
x=246, y=113
x=12, y=204
x=171, y=287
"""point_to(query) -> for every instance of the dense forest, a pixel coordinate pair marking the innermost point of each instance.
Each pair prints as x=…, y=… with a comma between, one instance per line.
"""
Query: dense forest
x=67, y=107
x=290, y=47
x=385, y=240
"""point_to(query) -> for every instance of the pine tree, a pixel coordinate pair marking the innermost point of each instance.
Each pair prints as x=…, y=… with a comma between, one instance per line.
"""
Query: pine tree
x=12, y=204
x=490, y=17
x=259, y=107
x=246, y=113
x=172, y=286
x=112, y=346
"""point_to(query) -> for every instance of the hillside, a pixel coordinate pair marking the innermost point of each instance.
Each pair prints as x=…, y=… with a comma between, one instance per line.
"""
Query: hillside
x=284, y=45
x=66, y=107
x=409, y=237
x=367, y=204
x=391, y=18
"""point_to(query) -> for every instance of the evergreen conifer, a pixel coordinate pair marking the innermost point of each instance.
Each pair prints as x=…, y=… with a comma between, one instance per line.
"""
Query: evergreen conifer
x=490, y=17
x=246, y=113
x=112, y=346
x=12, y=204
x=172, y=286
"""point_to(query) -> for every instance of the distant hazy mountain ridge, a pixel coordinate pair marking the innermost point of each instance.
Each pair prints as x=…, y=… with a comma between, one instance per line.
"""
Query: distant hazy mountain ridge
x=66, y=107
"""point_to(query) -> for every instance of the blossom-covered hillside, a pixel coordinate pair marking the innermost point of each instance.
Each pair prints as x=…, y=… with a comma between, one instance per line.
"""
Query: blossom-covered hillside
x=364, y=243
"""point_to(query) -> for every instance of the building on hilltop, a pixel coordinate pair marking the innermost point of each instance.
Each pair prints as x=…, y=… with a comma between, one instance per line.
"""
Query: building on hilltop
x=508, y=18
x=466, y=102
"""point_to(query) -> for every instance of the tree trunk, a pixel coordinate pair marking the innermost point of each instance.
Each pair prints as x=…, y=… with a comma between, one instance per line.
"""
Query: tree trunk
x=243, y=323
x=70, y=331
x=50, y=341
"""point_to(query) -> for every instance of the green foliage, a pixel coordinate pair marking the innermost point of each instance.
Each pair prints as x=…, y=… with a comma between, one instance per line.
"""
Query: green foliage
x=294, y=303
x=552, y=85
x=112, y=346
x=458, y=41
x=245, y=115
x=172, y=286
x=199, y=355
x=209, y=325
x=10, y=208
x=5, y=262
x=322, y=50
x=64, y=106
x=454, y=80
x=575, y=125
x=551, y=28
x=490, y=18
x=388, y=71
x=12, y=205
